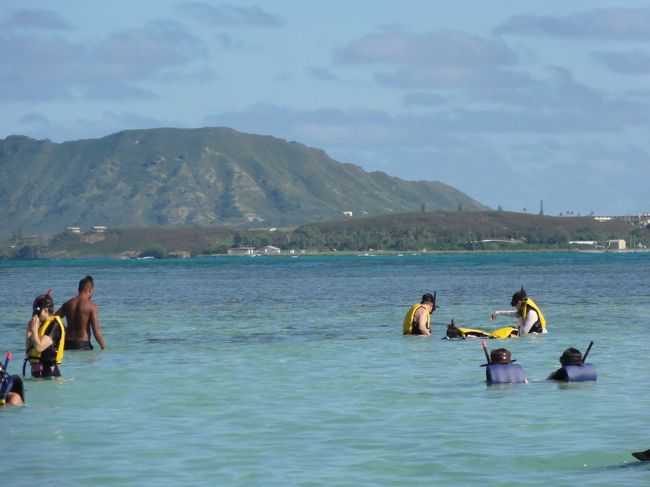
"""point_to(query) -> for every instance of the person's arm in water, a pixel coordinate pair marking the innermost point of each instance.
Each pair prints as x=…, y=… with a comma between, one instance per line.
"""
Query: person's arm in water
x=559, y=374
x=97, y=329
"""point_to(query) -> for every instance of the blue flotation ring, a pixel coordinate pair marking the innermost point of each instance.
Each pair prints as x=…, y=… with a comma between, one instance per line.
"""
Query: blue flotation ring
x=578, y=373
x=504, y=374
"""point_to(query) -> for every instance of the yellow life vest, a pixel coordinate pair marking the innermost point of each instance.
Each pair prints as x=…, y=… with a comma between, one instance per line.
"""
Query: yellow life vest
x=408, y=327
x=524, y=310
x=34, y=355
x=473, y=332
x=505, y=332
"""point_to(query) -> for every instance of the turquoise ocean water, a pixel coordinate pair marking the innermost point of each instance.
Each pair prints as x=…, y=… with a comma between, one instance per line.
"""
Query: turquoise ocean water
x=293, y=371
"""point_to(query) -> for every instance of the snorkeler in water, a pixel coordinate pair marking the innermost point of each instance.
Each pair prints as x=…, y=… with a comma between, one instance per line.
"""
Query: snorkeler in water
x=529, y=317
x=417, y=320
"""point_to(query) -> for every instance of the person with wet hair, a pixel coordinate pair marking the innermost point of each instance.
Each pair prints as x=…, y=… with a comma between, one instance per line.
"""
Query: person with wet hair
x=502, y=370
x=570, y=357
x=82, y=318
x=417, y=320
x=500, y=356
x=453, y=331
x=529, y=317
x=44, y=338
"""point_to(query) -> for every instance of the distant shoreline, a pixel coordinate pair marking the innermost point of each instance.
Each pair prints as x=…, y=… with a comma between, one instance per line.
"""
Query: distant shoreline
x=385, y=253
x=435, y=232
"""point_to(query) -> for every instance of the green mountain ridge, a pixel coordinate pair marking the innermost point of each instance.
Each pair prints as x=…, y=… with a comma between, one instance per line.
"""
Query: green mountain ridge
x=194, y=177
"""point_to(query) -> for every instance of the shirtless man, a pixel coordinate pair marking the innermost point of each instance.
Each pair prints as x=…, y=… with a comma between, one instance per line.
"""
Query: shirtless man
x=81, y=314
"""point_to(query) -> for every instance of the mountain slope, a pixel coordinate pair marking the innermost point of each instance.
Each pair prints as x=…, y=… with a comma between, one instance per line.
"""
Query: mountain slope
x=181, y=177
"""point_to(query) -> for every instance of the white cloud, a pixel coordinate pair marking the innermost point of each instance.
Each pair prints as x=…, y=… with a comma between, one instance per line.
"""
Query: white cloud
x=434, y=49
x=228, y=15
x=35, y=66
x=321, y=74
x=229, y=43
x=452, y=78
x=140, y=53
x=22, y=19
x=612, y=24
x=115, y=90
x=634, y=62
x=423, y=99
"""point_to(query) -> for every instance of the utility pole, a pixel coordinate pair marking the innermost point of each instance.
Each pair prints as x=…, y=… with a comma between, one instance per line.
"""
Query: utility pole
x=541, y=207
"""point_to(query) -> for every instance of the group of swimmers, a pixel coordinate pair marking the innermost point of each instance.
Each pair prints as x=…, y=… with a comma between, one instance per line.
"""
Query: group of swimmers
x=530, y=320
x=529, y=317
x=47, y=337
x=500, y=368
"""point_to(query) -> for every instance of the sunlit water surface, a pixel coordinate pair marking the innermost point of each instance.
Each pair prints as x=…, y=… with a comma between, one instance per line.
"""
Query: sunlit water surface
x=294, y=371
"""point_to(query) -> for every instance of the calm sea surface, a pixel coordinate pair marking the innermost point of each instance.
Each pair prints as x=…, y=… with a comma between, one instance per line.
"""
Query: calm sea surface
x=294, y=371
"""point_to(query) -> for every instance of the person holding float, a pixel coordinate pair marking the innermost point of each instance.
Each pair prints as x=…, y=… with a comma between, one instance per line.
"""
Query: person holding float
x=529, y=317
x=574, y=368
x=417, y=320
x=44, y=339
x=500, y=368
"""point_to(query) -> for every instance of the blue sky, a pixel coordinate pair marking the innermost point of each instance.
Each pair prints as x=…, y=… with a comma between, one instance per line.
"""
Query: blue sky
x=510, y=102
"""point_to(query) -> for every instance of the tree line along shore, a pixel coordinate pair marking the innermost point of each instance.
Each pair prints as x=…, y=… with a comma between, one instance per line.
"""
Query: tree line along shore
x=434, y=231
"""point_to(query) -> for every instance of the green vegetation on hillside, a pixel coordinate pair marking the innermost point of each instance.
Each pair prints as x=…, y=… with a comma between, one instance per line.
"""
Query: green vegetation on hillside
x=444, y=230
x=207, y=177
x=439, y=230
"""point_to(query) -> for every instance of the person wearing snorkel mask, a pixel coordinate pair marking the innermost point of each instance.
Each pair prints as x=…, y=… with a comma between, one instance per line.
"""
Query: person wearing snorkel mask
x=529, y=317
x=12, y=390
x=418, y=317
x=44, y=339
x=571, y=356
x=502, y=356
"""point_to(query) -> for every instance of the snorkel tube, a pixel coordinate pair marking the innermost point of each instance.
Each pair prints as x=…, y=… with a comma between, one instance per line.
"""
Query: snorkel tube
x=5, y=380
x=487, y=355
x=584, y=357
x=575, y=370
x=503, y=371
x=7, y=359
